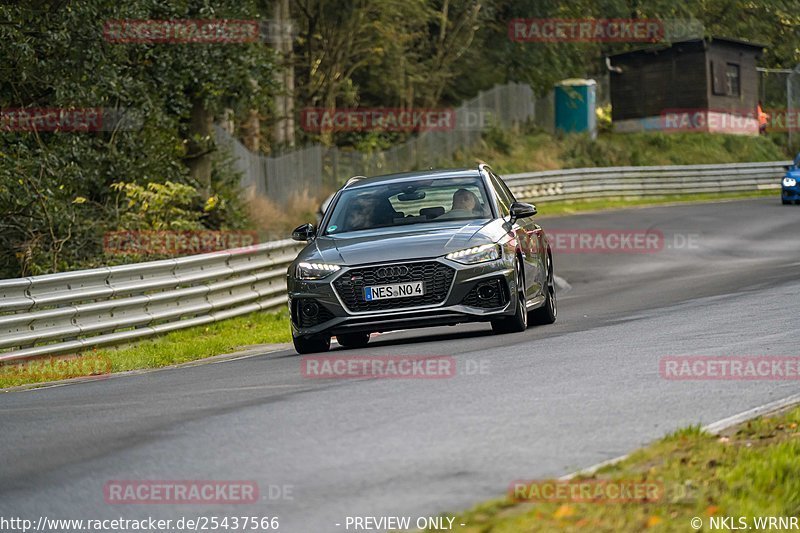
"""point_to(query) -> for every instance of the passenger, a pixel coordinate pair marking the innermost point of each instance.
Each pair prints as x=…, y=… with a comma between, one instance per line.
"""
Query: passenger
x=465, y=204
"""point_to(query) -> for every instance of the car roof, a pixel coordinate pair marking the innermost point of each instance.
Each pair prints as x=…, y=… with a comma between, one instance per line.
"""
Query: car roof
x=355, y=183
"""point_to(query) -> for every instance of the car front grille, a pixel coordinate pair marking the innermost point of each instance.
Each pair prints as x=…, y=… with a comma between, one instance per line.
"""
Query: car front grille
x=436, y=277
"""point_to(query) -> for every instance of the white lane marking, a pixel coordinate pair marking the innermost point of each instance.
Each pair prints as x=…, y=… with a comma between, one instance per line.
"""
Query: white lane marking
x=713, y=428
x=561, y=283
x=777, y=405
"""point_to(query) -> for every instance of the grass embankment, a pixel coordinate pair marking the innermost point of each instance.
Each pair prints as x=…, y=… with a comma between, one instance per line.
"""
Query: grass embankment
x=508, y=153
x=751, y=470
x=173, y=348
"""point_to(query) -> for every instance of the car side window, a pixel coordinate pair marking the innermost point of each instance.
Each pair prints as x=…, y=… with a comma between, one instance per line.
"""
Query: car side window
x=503, y=195
x=504, y=188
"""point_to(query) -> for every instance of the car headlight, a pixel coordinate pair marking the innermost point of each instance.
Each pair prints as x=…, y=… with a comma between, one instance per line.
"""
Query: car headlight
x=315, y=270
x=789, y=182
x=476, y=254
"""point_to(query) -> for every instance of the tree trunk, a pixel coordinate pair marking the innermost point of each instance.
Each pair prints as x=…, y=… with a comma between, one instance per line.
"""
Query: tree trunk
x=198, y=158
x=283, y=129
x=251, y=131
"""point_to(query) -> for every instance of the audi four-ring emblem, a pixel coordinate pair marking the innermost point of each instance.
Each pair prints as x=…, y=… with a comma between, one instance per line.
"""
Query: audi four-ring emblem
x=392, y=271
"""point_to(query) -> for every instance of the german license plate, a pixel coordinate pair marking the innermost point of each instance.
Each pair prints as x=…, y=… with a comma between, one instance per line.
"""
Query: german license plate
x=395, y=290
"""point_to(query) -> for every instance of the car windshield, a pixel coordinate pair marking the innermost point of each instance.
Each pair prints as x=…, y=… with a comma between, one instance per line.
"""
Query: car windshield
x=409, y=202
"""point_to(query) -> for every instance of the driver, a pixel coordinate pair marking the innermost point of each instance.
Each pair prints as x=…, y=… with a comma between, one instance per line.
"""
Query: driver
x=360, y=214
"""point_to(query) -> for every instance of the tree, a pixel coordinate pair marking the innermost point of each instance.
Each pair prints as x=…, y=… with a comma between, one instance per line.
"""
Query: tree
x=55, y=187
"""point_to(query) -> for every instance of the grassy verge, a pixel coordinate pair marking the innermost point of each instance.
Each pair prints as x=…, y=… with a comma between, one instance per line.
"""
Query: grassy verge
x=568, y=207
x=751, y=470
x=508, y=152
x=173, y=348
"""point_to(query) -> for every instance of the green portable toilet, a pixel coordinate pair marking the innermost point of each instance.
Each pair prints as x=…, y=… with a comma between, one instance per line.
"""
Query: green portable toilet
x=575, y=102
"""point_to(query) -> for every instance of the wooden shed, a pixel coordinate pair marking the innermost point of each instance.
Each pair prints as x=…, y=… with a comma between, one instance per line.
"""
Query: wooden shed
x=706, y=85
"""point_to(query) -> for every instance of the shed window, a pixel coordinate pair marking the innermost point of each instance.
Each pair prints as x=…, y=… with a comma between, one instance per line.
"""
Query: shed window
x=732, y=79
x=717, y=79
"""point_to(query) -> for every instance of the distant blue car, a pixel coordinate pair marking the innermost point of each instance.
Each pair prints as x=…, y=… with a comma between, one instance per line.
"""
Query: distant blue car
x=790, y=187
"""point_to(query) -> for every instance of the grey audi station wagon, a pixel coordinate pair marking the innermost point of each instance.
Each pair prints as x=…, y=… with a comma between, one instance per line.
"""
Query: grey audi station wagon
x=418, y=249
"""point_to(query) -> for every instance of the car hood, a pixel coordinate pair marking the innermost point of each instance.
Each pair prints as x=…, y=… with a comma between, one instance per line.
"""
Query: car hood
x=397, y=243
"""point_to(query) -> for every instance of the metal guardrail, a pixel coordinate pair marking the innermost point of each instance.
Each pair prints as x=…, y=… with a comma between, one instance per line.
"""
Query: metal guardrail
x=608, y=182
x=72, y=311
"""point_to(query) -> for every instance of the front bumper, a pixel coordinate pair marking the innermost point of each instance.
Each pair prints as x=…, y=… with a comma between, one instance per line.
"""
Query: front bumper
x=459, y=305
x=790, y=193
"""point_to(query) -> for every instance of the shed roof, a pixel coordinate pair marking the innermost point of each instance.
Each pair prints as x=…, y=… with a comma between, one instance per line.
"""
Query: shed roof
x=709, y=40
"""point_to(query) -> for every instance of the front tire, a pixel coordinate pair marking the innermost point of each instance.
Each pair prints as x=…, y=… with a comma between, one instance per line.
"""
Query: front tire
x=518, y=322
x=312, y=344
x=785, y=202
x=353, y=340
x=547, y=313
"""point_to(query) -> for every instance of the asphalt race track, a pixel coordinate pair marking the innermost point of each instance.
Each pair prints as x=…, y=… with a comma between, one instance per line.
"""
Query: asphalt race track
x=523, y=406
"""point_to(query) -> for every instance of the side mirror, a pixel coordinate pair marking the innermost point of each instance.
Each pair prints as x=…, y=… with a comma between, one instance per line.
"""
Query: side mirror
x=305, y=233
x=521, y=210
